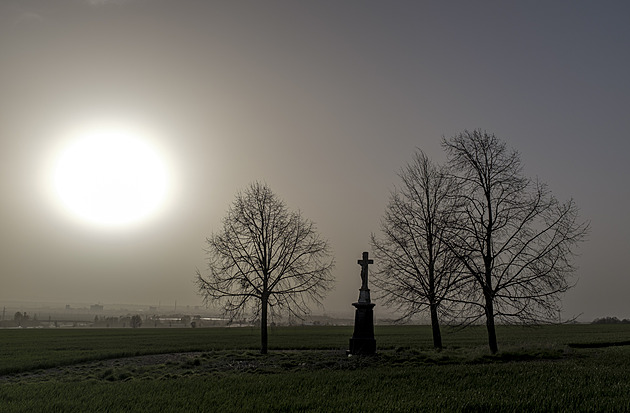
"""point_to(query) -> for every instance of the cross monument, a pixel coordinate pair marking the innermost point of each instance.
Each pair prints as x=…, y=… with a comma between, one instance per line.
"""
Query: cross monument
x=362, y=341
x=364, y=292
x=364, y=270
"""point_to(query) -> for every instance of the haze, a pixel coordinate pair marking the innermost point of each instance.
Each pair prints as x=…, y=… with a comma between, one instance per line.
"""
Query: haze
x=324, y=101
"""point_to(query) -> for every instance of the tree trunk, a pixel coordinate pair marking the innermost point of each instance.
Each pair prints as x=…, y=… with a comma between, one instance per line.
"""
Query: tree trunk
x=492, y=334
x=263, y=324
x=435, y=325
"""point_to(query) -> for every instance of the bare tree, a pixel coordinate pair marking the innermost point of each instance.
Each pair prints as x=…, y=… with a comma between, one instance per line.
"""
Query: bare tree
x=136, y=321
x=416, y=270
x=265, y=257
x=515, y=239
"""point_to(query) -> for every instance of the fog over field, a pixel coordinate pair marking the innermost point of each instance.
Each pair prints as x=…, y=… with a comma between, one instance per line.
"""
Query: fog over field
x=323, y=101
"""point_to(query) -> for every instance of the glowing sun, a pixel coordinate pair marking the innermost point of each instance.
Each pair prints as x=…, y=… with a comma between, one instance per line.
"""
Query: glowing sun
x=110, y=176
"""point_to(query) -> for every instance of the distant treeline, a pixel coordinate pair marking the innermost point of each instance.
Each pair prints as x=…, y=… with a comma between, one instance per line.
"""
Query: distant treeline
x=610, y=320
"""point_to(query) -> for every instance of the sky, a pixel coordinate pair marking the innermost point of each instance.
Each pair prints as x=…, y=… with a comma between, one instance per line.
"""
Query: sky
x=325, y=102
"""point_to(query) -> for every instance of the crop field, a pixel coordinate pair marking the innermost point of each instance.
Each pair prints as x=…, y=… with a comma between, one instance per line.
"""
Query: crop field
x=551, y=368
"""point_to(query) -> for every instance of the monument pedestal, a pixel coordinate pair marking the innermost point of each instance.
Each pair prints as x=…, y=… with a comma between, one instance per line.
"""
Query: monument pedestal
x=362, y=341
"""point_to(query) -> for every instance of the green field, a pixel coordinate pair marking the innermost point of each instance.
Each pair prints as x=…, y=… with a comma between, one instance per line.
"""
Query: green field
x=552, y=368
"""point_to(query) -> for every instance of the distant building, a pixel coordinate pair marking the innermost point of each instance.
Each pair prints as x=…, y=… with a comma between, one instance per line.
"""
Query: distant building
x=96, y=308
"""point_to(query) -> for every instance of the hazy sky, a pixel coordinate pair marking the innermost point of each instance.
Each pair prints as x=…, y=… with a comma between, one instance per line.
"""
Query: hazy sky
x=324, y=101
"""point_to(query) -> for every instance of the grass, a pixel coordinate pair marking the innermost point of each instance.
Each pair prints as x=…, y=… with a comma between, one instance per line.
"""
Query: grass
x=24, y=350
x=551, y=368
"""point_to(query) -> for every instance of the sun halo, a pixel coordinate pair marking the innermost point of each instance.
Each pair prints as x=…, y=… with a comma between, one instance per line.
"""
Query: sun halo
x=110, y=176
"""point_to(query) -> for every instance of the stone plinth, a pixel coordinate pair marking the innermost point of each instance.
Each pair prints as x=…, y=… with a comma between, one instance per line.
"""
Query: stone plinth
x=362, y=341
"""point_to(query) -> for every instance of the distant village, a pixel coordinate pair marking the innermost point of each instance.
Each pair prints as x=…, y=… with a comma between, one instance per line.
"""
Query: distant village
x=18, y=315
x=29, y=315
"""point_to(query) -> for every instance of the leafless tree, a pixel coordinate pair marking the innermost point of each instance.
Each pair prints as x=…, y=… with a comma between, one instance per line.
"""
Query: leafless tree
x=136, y=321
x=515, y=239
x=265, y=257
x=416, y=270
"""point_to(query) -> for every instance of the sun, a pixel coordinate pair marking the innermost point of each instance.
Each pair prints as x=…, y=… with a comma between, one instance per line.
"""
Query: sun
x=110, y=176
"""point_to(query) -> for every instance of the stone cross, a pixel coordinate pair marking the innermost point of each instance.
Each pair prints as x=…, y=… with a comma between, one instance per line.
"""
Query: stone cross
x=364, y=270
x=362, y=341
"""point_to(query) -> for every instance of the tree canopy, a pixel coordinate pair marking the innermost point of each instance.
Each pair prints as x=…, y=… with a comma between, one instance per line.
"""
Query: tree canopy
x=515, y=239
x=265, y=257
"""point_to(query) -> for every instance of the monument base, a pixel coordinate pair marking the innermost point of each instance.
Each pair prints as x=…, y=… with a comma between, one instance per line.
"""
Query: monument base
x=362, y=341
